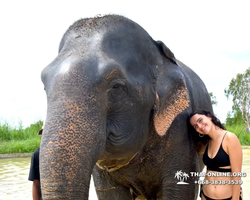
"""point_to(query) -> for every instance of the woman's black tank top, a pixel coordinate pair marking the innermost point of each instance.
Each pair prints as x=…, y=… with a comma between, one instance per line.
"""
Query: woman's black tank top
x=221, y=159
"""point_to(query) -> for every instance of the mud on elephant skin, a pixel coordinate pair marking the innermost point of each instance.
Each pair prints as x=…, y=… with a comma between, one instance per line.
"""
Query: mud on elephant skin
x=117, y=108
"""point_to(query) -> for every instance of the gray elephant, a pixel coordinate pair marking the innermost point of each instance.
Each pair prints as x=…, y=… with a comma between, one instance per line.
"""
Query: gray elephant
x=117, y=107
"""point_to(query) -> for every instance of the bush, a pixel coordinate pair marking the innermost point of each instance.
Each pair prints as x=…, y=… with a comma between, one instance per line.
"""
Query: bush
x=19, y=140
x=8, y=133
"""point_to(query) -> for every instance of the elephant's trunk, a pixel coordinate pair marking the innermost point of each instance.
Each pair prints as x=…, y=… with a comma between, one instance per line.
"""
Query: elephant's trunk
x=68, y=149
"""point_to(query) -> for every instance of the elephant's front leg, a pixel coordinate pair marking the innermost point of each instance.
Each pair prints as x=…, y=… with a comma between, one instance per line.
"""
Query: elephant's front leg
x=108, y=189
x=180, y=187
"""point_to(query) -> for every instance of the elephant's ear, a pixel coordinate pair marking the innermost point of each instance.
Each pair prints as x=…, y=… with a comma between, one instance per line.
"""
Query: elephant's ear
x=171, y=92
x=166, y=51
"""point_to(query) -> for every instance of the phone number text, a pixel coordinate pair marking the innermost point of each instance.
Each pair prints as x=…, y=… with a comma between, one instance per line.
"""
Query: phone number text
x=220, y=182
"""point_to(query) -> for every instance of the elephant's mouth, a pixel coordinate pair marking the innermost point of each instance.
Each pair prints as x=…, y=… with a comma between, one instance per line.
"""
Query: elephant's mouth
x=114, y=164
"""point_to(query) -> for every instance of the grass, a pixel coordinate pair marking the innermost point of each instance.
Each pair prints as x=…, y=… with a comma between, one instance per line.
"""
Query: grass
x=19, y=140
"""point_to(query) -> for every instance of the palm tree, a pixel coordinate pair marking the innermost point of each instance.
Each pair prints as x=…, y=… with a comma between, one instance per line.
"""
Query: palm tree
x=185, y=176
x=178, y=175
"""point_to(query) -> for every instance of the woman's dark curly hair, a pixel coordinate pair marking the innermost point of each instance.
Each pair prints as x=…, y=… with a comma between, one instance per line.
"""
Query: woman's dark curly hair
x=200, y=141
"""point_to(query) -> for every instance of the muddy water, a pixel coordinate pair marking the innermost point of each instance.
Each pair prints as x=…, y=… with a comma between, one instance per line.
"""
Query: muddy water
x=14, y=182
x=13, y=179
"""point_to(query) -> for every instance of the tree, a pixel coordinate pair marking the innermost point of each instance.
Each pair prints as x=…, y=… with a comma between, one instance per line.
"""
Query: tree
x=213, y=98
x=239, y=89
x=178, y=174
x=234, y=117
x=181, y=175
x=185, y=176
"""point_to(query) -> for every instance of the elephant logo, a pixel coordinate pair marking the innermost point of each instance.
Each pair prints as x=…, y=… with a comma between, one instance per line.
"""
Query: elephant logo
x=181, y=176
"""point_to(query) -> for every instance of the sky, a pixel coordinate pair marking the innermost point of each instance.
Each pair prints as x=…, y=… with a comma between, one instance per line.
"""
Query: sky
x=211, y=37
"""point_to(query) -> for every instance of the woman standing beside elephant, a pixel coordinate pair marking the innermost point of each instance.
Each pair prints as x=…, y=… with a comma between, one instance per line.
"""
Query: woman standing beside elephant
x=222, y=154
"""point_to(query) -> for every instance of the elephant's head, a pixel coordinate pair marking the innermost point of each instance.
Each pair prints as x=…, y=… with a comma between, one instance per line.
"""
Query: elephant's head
x=110, y=87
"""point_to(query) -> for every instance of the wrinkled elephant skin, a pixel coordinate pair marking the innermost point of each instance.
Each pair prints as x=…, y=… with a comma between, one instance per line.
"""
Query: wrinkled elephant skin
x=117, y=107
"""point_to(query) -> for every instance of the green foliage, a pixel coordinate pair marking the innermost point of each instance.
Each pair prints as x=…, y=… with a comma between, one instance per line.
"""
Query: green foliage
x=240, y=130
x=8, y=133
x=20, y=146
x=245, y=139
x=19, y=140
x=213, y=98
x=234, y=117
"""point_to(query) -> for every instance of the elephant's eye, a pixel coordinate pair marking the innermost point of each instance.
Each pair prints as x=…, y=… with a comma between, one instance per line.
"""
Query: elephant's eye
x=117, y=92
x=117, y=86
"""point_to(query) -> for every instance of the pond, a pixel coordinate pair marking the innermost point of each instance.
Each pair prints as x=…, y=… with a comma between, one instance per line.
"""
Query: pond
x=14, y=182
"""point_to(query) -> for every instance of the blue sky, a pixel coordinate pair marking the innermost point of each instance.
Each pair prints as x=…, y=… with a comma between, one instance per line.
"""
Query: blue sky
x=210, y=37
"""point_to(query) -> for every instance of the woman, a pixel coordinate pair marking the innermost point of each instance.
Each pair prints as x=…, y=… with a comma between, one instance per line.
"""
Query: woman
x=222, y=156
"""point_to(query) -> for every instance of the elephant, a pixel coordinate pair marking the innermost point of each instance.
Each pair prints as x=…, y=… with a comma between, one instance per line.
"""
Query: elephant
x=118, y=104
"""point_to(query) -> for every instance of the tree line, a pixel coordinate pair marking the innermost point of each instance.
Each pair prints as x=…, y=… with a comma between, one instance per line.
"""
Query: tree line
x=239, y=91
